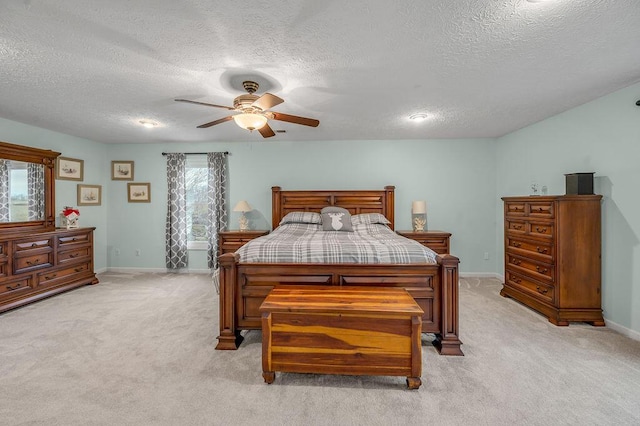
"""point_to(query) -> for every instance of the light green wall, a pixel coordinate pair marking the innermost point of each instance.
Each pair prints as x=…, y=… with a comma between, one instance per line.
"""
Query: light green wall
x=94, y=156
x=455, y=177
x=602, y=136
x=461, y=180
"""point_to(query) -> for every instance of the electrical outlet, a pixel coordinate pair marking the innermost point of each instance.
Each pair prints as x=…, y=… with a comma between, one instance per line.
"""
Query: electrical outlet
x=486, y=255
x=117, y=251
x=137, y=252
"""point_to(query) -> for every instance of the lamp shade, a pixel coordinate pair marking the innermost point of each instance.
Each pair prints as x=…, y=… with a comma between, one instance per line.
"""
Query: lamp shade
x=242, y=206
x=419, y=207
x=250, y=121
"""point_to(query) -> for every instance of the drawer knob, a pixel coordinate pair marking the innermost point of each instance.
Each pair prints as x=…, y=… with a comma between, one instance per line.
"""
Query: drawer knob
x=541, y=250
x=35, y=262
x=517, y=280
x=539, y=209
x=516, y=261
x=13, y=287
x=515, y=244
x=541, y=230
x=517, y=226
x=72, y=255
x=34, y=245
x=541, y=270
x=542, y=291
x=79, y=269
x=50, y=277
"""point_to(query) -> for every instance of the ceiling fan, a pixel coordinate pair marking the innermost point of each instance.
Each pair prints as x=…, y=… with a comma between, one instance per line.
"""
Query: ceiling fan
x=254, y=111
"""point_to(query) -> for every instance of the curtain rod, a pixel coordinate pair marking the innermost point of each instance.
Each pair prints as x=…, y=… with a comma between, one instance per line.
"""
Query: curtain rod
x=192, y=153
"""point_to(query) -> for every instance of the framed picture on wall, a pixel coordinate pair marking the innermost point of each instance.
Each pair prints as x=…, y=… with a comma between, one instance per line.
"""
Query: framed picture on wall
x=122, y=170
x=89, y=195
x=139, y=192
x=69, y=168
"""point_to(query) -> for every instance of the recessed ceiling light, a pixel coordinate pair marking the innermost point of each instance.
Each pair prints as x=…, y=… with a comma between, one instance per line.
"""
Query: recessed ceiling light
x=537, y=1
x=148, y=123
x=420, y=116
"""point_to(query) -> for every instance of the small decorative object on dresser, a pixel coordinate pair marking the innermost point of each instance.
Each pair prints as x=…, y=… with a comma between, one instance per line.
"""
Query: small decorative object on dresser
x=437, y=241
x=552, y=256
x=230, y=241
x=419, y=215
x=243, y=207
x=69, y=217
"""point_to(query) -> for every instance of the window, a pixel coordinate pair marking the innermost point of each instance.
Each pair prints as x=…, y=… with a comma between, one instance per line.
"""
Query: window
x=196, y=175
x=19, y=202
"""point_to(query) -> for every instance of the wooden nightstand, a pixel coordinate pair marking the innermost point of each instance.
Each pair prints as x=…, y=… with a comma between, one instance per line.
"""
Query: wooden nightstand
x=437, y=241
x=230, y=241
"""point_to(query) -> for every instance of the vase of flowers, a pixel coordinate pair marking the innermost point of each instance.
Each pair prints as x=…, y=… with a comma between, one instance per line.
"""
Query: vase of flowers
x=70, y=217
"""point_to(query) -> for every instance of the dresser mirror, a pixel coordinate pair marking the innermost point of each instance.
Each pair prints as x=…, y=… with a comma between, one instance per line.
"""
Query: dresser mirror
x=27, y=189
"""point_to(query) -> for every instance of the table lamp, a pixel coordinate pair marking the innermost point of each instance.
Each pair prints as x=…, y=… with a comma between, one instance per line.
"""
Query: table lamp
x=419, y=215
x=243, y=207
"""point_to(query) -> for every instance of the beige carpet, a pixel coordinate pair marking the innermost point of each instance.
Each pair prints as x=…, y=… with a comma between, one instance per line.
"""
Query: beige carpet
x=138, y=349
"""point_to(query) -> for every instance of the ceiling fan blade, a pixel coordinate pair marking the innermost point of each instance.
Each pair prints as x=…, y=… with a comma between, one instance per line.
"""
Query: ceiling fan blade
x=267, y=101
x=295, y=119
x=266, y=131
x=205, y=104
x=213, y=123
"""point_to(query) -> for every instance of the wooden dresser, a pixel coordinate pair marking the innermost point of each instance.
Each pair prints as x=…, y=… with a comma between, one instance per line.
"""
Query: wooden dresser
x=552, y=256
x=39, y=265
x=437, y=241
x=230, y=241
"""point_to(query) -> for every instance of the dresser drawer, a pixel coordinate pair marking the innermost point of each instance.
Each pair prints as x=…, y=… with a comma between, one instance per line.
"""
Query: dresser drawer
x=544, y=292
x=515, y=208
x=48, y=278
x=541, y=250
x=541, y=209
x=3, y=249
x=541, y=271
x=516, y=226
x=20, y=246
x=74, y=255
x=70, y=240
x=540, y=229
x=24, y=262
x=13, y=288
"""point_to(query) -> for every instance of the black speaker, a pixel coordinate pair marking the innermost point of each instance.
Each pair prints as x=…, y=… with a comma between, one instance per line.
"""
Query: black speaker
x=579, y=183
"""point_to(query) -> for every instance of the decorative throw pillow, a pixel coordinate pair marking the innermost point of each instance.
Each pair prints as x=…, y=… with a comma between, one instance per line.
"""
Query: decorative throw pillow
x=336, y=219
x=302, y=217
x=369, y=218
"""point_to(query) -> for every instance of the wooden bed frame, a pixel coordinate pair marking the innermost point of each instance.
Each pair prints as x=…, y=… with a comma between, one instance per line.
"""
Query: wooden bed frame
x=244, y=286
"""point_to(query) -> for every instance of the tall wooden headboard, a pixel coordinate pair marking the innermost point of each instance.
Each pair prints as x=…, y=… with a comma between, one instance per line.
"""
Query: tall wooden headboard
x=355, y=201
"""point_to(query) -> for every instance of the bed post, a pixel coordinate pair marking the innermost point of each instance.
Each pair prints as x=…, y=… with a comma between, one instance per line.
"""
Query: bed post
x=275, y=206
x=390, y=204
x=448, y=342
x=229, y=337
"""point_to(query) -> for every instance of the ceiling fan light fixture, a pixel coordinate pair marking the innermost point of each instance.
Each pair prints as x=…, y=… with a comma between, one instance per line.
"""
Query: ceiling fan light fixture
x=250, y=121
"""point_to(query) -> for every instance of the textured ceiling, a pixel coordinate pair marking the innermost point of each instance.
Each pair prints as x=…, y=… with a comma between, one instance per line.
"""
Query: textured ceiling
x=479, y=68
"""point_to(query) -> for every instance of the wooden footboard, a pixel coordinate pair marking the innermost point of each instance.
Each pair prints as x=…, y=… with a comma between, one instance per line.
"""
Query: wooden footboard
x=243, y=287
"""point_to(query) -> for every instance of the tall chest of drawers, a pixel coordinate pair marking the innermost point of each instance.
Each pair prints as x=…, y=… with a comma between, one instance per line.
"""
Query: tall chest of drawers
x=552, y=256
x=39, y=265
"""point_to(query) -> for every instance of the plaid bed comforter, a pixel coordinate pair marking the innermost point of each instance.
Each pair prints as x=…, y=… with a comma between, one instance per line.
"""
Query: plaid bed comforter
x=308, y=243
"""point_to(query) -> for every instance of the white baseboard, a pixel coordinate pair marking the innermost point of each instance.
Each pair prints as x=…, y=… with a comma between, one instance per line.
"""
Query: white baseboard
x=159, y=270
x=632, y=334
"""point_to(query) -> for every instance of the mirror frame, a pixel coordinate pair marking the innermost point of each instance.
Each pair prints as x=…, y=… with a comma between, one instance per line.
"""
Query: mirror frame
x=46, y=157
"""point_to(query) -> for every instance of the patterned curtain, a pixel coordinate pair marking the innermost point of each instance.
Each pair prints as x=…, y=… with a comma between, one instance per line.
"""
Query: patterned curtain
x=35, y=191
x=217, y=212
x=176, y=227
x=4, y=191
